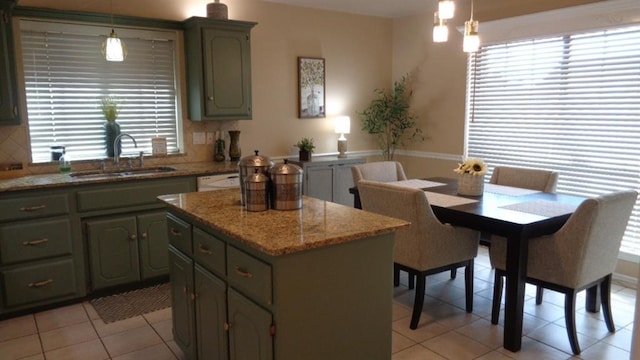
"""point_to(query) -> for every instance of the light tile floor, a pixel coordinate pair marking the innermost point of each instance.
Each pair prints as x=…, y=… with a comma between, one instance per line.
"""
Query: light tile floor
x=446, y=331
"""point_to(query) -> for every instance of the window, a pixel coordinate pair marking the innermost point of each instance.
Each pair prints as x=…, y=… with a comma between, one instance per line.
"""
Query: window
x=66, y=76
x=569, y=103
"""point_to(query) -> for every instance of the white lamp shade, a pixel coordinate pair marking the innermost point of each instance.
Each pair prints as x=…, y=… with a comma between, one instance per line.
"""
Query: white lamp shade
x=471, y=41
x=114, y=48
x=343, y=125
x=446, y=8
x=440, y=33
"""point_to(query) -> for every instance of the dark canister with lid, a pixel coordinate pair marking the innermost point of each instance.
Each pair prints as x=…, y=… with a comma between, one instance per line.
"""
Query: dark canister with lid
x=256, y=188
x=246, y=167
x=286, y=186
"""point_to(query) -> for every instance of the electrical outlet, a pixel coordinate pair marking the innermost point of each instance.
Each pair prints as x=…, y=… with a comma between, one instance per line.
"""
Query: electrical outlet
x=210, y=138
x=198, y=138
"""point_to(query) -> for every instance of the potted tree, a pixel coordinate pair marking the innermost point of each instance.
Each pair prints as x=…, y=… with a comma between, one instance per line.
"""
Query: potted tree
x=305, y=147
x=389, y=119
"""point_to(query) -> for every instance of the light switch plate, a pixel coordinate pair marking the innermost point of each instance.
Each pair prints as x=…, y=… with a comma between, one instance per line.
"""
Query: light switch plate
x=199, y=138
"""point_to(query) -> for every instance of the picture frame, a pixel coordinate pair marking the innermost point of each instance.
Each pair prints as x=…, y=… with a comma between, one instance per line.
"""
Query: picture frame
x=311, y=87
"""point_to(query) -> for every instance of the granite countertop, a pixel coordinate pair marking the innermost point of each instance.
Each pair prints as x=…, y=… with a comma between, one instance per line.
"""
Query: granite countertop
x=56, y=180
x=275, y=232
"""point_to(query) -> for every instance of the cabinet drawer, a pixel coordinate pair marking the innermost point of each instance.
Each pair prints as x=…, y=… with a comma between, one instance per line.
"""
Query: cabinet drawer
x=249, y=275
x=29, y=207
x=179, y=234
x=129, y=195
x=33, y=283
x=35, y=240
x=208, y=251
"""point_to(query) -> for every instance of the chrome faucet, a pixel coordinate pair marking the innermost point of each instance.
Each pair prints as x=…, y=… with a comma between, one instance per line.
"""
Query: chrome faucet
x=116, y=152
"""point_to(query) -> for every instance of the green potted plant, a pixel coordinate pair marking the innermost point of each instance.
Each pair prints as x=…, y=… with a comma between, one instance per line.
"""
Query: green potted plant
x=305, y=147
x=110, y=109
x=389, y=119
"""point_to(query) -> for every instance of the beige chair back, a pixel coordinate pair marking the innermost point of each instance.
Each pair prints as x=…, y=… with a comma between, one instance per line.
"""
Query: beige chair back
x=533, y=179
x=384, y=171
x=426, y=243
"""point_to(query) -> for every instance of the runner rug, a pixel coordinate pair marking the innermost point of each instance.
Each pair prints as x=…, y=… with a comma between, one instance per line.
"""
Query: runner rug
x=132, y=303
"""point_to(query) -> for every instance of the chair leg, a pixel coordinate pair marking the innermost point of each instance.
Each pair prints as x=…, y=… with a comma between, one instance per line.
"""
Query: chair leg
x=454, y=273
x=570, y=320
x=497, y=298
x=539, y=294
x=592, y=303
x=412, y=281
x=468, y=285
x=396, y=275
x=418, y=301
x=605, y=298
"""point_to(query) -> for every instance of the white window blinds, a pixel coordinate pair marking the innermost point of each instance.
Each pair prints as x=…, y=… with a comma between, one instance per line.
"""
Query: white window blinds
x=567, y=103
x=66, y=76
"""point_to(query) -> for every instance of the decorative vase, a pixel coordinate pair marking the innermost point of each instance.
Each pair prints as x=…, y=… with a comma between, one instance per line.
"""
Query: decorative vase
x=471, y=185
x=304, y=155
x=313, y=103
x=234, y=145
x=218, y=153
x=111, y=131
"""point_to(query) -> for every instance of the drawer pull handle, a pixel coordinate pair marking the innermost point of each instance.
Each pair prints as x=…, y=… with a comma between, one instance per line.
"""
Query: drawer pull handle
x=41, y=283
x=35, y=242
x=33, y=208
x=204, y=250
x=243, y=273
x=175, y=232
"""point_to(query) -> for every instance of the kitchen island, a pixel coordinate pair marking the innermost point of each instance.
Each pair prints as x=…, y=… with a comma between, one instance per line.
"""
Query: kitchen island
x=313, y=283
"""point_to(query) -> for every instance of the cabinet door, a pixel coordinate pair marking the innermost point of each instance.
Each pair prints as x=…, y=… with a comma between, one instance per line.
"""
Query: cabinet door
x=153, y=244
x=113, y=251
x=8, y=84
x=182, y=311
x=227, y=74
x=319, y=182
x=343, y=180
x=211, y=315
x=249, y=329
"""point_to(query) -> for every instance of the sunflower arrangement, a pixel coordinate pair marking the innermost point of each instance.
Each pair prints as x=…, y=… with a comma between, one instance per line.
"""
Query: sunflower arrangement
x=475, y=167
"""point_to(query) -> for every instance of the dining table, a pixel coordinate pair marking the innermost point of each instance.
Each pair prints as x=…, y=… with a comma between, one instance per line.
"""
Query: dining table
x=514, y=213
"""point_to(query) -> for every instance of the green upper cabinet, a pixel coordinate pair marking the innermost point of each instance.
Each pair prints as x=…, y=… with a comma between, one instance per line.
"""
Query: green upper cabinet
x=8, y=84
x=218, y=56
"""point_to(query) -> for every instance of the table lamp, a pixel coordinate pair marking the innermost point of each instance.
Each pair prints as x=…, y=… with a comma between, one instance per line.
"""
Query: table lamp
x=343, y=126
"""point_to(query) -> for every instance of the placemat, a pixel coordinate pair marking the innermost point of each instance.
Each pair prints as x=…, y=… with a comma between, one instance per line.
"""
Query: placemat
x=447, y=200
x=508, y=190
x=416, y=183
x=542, y=208
x=132, y=303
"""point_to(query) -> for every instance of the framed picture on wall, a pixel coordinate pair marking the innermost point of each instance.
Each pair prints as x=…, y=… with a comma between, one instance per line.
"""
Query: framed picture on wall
x=311, y=98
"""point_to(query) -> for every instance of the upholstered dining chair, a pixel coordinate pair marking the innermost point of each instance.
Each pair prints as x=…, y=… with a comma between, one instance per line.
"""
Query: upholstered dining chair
x=427, y=246
x=533, y=179
x=581, y=255
x=384, y=171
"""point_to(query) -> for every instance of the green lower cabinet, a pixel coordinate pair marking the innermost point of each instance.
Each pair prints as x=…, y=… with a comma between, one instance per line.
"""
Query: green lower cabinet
x=182, y=310
x=46, y=281
x=211, y=315
x=249, y=329
x=127, y=249
x=153, y=242
x=113, y=251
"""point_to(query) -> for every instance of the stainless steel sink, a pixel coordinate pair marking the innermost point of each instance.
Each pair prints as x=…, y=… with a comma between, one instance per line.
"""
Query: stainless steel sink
x=122, y=172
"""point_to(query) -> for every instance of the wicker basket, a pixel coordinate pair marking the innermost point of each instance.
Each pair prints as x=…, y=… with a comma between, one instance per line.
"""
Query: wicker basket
x=470, y=185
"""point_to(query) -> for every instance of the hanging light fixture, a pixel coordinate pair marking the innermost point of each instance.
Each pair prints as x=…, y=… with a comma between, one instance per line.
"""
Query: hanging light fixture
x=446, y=9
x=113, y=47
x=440, y=29
x=471, y=41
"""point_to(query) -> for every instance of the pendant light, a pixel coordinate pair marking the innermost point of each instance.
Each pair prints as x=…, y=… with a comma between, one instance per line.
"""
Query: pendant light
x=446, y=9
x=113, y=47
x=471, y=41
x=440, y=29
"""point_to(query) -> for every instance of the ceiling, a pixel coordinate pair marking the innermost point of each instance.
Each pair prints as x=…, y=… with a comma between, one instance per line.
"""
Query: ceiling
x=382, y=8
